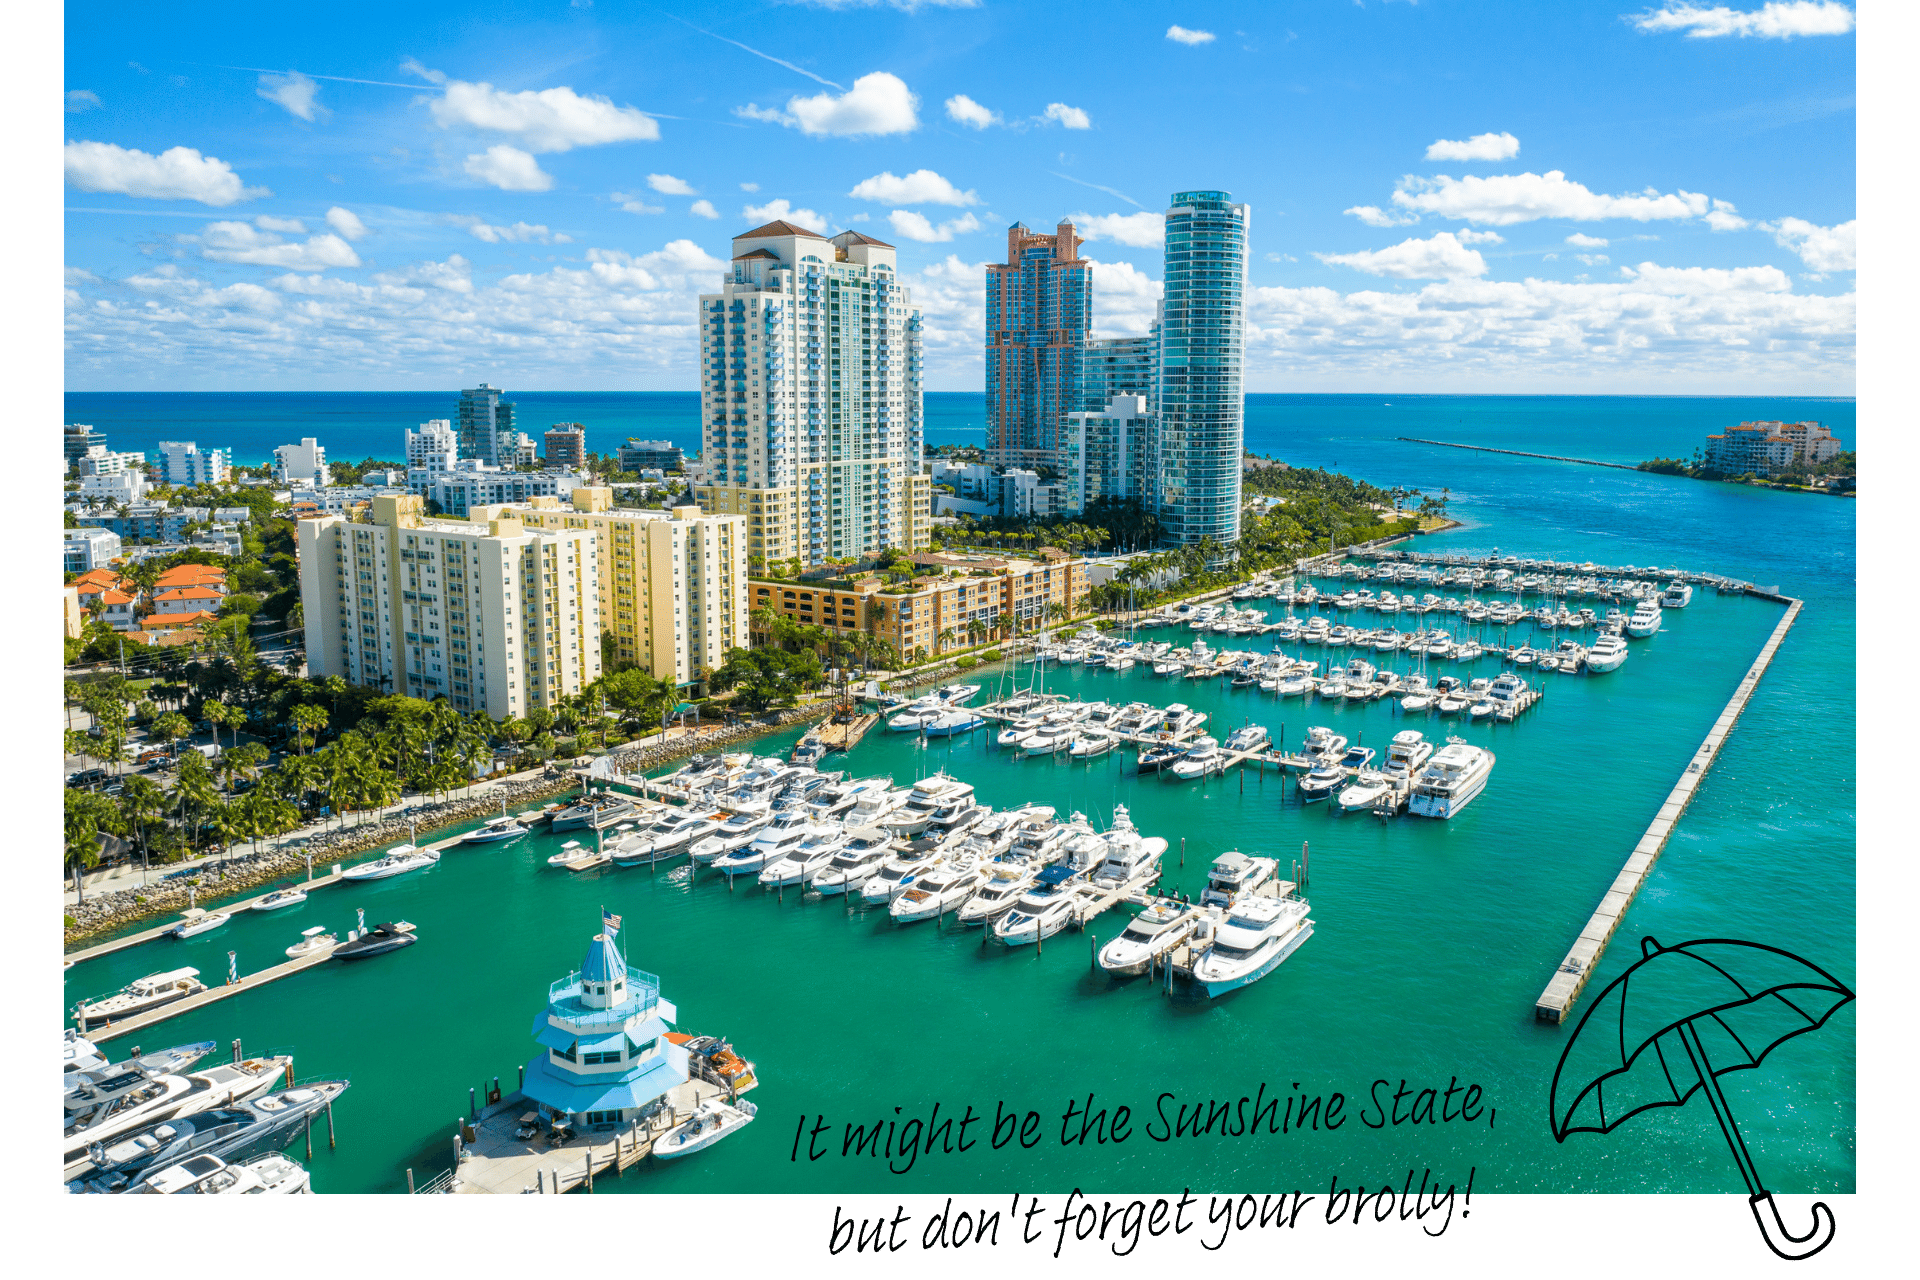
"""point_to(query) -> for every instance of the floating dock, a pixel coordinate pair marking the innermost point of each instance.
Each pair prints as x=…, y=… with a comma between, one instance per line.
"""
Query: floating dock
x=1571, y=977
x=247, y=982
x=845, y=737
x=161, y=931
x=496, y=1162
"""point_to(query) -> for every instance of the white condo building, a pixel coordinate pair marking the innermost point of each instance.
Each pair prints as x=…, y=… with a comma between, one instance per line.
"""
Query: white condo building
x=185, y=463
x=303, y=464
x=810, y=397
x=496, y=616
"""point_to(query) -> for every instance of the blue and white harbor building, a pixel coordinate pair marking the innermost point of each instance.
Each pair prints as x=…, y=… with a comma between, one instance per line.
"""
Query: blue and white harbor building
x=604, y=1034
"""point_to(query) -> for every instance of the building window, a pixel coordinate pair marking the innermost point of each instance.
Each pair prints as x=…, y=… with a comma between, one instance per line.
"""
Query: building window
x=570, y=1053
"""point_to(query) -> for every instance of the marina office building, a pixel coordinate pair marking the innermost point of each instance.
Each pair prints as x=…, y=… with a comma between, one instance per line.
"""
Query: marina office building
x=810, y=397
x=497, y=616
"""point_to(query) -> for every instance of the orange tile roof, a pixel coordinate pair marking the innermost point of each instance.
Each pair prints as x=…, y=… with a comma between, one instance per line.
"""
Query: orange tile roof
x=167, y=621
x=188, y=593
x=185, y=574
x=115, y=597
x=97, y=578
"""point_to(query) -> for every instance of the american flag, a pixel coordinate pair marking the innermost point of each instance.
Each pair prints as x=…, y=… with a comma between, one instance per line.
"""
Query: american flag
x=610, y=920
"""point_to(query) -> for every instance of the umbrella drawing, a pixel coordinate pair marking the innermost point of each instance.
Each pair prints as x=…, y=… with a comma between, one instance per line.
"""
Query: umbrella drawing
x=1674, y=1023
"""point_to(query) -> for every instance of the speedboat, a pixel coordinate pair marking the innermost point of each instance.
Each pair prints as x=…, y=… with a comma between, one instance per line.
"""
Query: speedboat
x=572, y=857
x=1365, y=791
x=1007, y=880
x=495, y=829
x=1250, y=737
x=1524, y=656
x=1049, y=739
x=1043, y=910
x=399, y=860
x=956, y=695
x=1156, y=757
x=854, y=863
x=939, y=891
x=594, y=813
x=1250, y=943
x=281, y=898
x=1607, y=654
x=377, y=941
x=1020, y=730
x=1149, y=936
x=1454, y=775
x=311, y=940
x=195, y=922
x=711, y=1121
x=1202, y=757
x=141, y=995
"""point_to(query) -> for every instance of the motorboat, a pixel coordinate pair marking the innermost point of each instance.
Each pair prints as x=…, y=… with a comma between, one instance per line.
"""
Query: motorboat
x=870, y=806
x=573, y=857
x=1251, y=737
x=272, y=1174
x=195, y=922
x=738, y=831
x=82, y=1055
x=834, y=802
x=1645, y=620
x=1050, y=739
x=667, y=839
x=312, y=940
x=1095, y=742
x=1607, y=654
x=398, y=861
x=1677, y=596
x=1007, y=879
x=1323, y=743
x=1452, y=702
x=956, y=695
x=1407, y=752
x=1322, y=780
x=901, y=871
x=596, y=812
x=854, y=863
x=1202, y=757
x=1234, y=875
x=1365, y=791
x=819, y=848
x=1129, y=856
x=1151, y=935
x=163, y=1097
x=1020, y=730
x=810, y=750
x=494, y=830
x=230, y=1132
x=1181, y=720
x=711, y=1121
x=1158, y=756
x=1258, y=933
x=926, y=799
x=955, y=819
x=1454, y=775
x=1047, y=907
x=952, y=721
x=280, y=899
x=1293, y=686
x=140, y=996
x=1333, y=688
x=362, y=944
x=939, y=891
x=780, y=839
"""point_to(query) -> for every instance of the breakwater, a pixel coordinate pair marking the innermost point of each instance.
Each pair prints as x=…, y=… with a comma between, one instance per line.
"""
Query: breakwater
x=1518, y=453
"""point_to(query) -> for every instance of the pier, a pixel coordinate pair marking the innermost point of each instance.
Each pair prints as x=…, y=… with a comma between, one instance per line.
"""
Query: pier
x=1518, y=453
x=495, y=1162
x=161, y=931
x=1564, y=988
x=247, y=982
x=845, y=737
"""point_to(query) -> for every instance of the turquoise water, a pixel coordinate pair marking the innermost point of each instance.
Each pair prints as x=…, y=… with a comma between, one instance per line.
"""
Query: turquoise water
x=1433, y=938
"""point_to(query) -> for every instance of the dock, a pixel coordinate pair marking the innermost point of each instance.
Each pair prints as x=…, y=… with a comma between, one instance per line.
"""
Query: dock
x=845, y=737
x=1564, y=988
x=160, y=931
x=247, y=982
x=495, y=1162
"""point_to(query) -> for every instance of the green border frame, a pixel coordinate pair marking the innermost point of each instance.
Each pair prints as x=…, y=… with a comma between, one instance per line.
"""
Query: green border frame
x=1506, y=1234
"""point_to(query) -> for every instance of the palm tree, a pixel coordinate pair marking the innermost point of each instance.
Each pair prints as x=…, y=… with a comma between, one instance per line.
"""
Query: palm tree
x=141, y=801
x=219, y=713
x=308, y=719
x=945, y=638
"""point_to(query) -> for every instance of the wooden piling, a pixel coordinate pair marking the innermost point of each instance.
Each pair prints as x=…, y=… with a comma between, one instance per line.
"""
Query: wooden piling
x=330, y=1137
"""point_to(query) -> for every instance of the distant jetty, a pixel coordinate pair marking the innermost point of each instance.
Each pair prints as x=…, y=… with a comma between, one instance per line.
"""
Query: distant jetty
x=1519, y=453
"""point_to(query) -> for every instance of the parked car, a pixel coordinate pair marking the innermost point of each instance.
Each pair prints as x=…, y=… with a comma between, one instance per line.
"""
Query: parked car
x=87, y=777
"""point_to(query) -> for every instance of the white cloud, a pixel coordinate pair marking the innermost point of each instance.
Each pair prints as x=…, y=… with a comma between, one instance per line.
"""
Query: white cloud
x=1584, y=241
x=82, y=100
x=915, y=226
x=922, y=186
x=1439, y=257
x=1723, y=218
x=1480, y=237
x=1141, y=230
x=241, y=242
x=1522, y=197
x=668, y=185
x=509, y=169
x=1592, y=259
x=1482, y=146
x=703, y=209
x=749, y=186
x=267, y=222
x=1123, y=298
x=1065, y=116
x=966, y=111
x=631, y=203
x=861, y=217
x=346, y=222
x=1823, y=249
x=1184, y=36
x=1375, y=216
x=297, y=93
x=1777, y=19
x=543, y=120
x=178, y=173
x=781, y=211
x=518, y=233
x=878, y=103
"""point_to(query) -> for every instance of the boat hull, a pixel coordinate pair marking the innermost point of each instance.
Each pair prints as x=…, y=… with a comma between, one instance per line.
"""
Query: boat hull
x=1217, y=989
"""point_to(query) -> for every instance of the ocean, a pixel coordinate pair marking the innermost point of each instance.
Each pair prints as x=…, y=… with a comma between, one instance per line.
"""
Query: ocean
x=1432, y=938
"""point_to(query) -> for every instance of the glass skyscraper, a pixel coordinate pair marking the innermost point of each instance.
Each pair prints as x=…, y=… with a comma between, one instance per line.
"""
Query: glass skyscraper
x=1039, y=311
x=486, y=426
x=1200, y=402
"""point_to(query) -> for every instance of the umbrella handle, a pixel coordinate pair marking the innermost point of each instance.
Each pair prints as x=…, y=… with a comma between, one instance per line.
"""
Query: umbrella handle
x=1782, y=1241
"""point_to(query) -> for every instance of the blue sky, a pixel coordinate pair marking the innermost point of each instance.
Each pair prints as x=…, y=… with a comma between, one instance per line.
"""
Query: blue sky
x=426, y=195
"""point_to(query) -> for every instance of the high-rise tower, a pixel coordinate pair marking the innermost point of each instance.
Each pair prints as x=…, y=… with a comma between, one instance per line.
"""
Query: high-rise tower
x=1039, y=311
x=810, y=397
x=486, y=427
x=1200, y=404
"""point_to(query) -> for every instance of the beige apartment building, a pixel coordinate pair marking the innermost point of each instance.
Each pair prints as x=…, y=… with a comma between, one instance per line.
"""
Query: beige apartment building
x=492, y=614
x=672, y=585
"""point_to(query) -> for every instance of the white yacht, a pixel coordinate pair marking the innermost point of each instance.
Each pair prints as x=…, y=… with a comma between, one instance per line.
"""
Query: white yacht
x=311, y=940
x=1043, y=910
x=1149, y=936
x=280, y=899
x=399, y=860
x=1182, y=719
x=574, y=857
x=1323, y=743
x=869, y=808
x=141, y=995
x=812, y=856
x=1645, y=620
x=1130, y=855
x=668, y=838
x=1407, y=753
x=1235, y=875
x=928, y=797
x=1607, y=654
x=165, y=1096
x=1094, y=742
x=194, y=922
x=939, y=891
x=900, y=872
x=1258, y=934
x=1020, y=730
x=866, y=849
x=1368, y=788
x=736, y=832
x=1250, y=737
x=1007, y=880
x=205, y=1175
x=1326, y=777
x=1454, y=775
x=711, y=1121
x=1677, y=596
x=494, y=830
x=780, y=839
x=1203, y=756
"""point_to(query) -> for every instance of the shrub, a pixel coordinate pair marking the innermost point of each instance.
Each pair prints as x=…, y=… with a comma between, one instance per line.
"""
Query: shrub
x=991, y=655
x=965, y=661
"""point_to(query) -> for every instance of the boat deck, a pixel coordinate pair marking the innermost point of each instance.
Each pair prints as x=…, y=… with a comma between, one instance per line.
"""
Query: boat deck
x=497, y=1163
